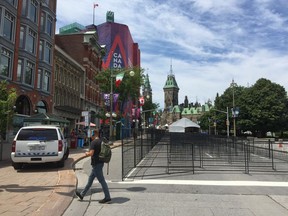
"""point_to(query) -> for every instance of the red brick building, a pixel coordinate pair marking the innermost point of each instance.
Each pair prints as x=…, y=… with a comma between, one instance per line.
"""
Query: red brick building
x=84, y=48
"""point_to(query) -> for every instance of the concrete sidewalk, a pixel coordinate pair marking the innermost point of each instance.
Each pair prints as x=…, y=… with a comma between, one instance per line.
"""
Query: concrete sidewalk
x=37, y=190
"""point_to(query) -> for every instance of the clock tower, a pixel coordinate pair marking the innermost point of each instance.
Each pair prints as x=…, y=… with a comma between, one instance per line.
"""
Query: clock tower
x=171, y=90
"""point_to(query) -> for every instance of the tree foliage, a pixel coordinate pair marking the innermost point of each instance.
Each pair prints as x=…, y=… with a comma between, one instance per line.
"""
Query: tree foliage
x=129, y=89
x=263, y=107
x=224, y=101
x=7, y=101
x=149, y=108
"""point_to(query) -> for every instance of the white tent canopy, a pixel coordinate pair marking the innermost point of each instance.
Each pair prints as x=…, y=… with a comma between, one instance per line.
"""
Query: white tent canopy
x=181, y=124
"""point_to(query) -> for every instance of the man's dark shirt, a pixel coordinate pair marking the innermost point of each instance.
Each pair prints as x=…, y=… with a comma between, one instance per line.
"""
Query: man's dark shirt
x=96, y=146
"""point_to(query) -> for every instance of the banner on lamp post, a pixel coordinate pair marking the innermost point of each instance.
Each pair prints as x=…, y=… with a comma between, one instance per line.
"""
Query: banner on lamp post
x=136, y=113
x=115, y=99
x=106, y=98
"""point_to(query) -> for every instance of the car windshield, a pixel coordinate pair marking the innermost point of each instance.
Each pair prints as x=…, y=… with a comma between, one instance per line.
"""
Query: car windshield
x=37, y=134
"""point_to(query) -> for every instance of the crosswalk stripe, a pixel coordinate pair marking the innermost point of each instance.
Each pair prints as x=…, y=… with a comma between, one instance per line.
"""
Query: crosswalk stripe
x=207, y=183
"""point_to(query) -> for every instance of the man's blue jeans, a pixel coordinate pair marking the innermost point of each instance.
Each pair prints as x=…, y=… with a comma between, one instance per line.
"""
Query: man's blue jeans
x=80, y=142
x=97, y=172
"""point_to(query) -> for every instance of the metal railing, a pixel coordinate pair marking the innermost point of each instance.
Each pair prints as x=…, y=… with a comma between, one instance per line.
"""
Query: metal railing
x=137, y=146
x=187, y=152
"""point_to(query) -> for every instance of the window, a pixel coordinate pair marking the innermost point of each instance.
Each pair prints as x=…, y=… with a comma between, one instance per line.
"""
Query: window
x=38, y=134
x=24, y=7
x=42, y=21
x=41, y=48
x=5, y=62
x=22, y=37
x=48, y=50
x=49, y=25
x=19, y=70
x=29, y=73
x=33, y=10
x=31, y=41
x=46, y=81
x=12, y=2
x=39, y=78
x=8, y=26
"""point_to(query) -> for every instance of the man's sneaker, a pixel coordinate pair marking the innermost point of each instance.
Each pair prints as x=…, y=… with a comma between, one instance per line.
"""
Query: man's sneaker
x=79, y=195
x=105, y=201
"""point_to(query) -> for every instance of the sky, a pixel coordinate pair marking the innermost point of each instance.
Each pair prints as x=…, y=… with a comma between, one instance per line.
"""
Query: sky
x=209, y=43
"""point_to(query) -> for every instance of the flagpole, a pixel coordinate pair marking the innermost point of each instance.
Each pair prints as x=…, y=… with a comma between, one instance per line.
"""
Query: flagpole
x=93, y=13
x=94, y=6
x=111, y=107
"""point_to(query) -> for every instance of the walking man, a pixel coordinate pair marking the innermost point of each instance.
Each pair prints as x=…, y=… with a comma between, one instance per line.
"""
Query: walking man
x=97, y=169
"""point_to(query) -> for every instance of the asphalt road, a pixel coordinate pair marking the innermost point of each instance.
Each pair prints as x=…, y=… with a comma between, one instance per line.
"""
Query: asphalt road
x=206, y=193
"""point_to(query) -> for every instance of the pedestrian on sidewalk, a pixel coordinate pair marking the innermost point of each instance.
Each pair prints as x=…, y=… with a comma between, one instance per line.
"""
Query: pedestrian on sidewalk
x=81, y=138
x=97, y=169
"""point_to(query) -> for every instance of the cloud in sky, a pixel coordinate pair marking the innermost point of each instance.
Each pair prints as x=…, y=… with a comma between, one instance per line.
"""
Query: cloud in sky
x=209, y=42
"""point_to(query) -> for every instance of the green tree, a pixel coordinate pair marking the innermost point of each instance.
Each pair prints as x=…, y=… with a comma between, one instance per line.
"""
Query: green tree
x=129, y=89
x=206, y=121
x=7, y=101
x=149, y=108
x=226, y=100
x=264, y=108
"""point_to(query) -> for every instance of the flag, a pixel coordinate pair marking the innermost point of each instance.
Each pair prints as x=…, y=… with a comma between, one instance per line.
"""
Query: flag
x=119, y=78
x=95, y=5
x=141, y=101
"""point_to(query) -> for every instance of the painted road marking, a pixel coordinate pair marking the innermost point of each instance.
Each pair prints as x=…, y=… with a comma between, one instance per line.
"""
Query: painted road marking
x=209, y=155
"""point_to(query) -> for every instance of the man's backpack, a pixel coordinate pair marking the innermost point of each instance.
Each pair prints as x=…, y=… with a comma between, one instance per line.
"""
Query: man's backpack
x=105, y=153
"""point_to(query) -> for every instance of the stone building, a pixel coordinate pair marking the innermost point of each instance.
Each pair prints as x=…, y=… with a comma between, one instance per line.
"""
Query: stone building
x=83, y=47
x=69, y=87
x=174, y=111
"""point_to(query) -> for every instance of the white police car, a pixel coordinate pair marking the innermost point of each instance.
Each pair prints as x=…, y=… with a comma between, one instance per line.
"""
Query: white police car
x=39, y=144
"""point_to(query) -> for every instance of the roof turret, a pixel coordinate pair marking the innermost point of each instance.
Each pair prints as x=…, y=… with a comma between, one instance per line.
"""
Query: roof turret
x=171, y=81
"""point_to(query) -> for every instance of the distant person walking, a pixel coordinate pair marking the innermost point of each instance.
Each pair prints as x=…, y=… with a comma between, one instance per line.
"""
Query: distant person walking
x=97, y=169
x=81, y=137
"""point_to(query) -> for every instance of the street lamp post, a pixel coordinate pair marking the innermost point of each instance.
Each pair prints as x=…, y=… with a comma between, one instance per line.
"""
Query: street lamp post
x=233, y=84
x=227, y=119
x=111, y=107
x=111, y=114
x=209, y=126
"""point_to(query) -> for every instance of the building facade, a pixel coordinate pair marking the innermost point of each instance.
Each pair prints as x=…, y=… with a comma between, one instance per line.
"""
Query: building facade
x=27, y=29
x=174, y=111
x=69, y=88
x=171, y=91
x=59, y=79
x=84, y=48
x=122, y=52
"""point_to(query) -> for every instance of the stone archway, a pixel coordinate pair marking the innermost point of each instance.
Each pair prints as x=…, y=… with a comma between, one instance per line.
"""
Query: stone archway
x=41, y=107
x=23, y=105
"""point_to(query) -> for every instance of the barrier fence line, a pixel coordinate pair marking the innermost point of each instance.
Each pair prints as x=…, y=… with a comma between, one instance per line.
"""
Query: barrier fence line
x=188, y=152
